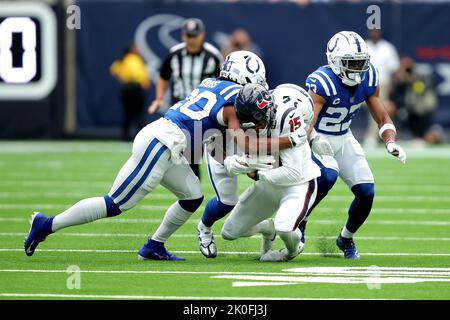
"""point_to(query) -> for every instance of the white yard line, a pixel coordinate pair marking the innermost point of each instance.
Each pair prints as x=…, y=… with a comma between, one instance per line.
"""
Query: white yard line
x=106, y=184
x=194, y=235
x=330, y=222
x=228, y=252
x=57, y=195
x=386, y=210
x=290, y=271
x=167, y=196
x=96, y=296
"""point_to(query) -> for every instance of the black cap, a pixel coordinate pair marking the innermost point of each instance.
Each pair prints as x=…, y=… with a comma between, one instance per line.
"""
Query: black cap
x=193, y=27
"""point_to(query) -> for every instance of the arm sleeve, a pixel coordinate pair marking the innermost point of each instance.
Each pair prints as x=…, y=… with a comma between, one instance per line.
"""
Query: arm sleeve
x=166, y=70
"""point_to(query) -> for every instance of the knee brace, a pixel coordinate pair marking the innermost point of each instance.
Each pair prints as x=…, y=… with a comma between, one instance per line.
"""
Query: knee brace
x=364, y=191
x=191, y=205
x=112, y=209
x=327, y=179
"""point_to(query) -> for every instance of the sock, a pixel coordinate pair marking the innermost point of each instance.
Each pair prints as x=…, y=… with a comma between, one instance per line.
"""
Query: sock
x=346, y=234
x=174, y=218
x=202, y=226
x=214, y=211
x=291, y=239
x=360, y=208
x=266, y=228
x=83, y=211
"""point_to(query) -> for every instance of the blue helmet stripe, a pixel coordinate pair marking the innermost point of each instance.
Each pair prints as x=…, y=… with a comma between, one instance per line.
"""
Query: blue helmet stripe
x=357, y=42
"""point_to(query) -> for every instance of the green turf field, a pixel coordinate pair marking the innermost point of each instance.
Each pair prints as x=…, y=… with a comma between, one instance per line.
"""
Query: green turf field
x=404, y=245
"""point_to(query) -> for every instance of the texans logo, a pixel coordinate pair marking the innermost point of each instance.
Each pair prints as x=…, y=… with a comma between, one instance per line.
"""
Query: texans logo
x=263, y=104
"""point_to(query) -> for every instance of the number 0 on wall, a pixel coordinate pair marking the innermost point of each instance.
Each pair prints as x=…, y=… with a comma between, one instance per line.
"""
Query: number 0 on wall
x=28, y=50
x=26, y=70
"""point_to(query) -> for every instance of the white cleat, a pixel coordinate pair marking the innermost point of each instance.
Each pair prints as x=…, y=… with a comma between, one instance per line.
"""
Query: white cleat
x=272, y=256
x=289, y=256
x=281, y=256
x=206, y=241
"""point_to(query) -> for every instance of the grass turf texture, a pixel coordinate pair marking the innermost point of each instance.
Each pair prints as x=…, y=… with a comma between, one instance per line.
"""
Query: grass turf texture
x=408, y=228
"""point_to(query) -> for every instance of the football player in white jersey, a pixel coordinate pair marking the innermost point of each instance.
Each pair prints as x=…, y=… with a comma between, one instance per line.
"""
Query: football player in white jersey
x=224, y=179
x=158, y=157
x=338, y=90
x=280, y=190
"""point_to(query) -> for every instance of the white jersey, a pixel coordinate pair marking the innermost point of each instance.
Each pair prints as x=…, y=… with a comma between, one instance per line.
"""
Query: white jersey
x=296, y=165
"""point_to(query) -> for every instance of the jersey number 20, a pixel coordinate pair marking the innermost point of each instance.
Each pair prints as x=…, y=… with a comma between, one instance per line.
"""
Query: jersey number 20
x=209, y=100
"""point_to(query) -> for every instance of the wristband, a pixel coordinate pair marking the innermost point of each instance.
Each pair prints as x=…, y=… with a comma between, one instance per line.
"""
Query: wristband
x=384, y=127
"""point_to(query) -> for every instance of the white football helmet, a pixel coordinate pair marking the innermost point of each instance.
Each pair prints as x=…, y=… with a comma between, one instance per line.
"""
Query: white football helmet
x=244, y=67
x=301, y=96
x=348, y=56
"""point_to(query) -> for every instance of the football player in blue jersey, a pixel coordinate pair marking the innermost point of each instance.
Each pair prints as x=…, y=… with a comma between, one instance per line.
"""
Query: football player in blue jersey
x=158, y=157
x=338, y=91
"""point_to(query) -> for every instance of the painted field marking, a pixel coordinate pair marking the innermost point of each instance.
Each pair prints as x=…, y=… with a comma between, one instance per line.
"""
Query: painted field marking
x=140, y=208
x=143, y=297
x=330, y=198
x=194, y=235
x=335, y=275
x=332, y=222
x=227, y=252
x=355, y=271
x=372, y=275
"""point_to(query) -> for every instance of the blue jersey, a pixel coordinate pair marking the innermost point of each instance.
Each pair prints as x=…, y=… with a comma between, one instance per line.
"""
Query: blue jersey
x=341, y=102
x=202, y=109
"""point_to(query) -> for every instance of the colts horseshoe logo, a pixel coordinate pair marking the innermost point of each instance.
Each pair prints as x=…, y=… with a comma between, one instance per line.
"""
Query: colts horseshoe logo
x=247, y=64
x=334, y=47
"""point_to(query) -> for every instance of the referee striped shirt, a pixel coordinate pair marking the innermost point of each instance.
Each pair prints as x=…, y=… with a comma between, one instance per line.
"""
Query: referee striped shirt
x=188, y=70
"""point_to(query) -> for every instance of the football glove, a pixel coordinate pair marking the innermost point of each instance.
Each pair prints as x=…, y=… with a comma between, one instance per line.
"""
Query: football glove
x=261, y=162
x=396, y=151
x=236, y=165
x=321, y=146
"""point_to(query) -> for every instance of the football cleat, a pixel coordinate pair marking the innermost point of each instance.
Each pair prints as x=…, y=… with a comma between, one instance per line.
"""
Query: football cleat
x=41, y=227
x=268, y=239
x=206, y=241
x=154, y=250
x=289, y=256
x=348, y=247
x=272, y=256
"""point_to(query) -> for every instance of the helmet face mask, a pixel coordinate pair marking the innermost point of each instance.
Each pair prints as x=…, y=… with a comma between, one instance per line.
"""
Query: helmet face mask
x=348, y=56
x=244, y=67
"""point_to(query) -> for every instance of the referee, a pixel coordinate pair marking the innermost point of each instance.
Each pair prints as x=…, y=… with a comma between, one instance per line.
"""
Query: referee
x=187, y=64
